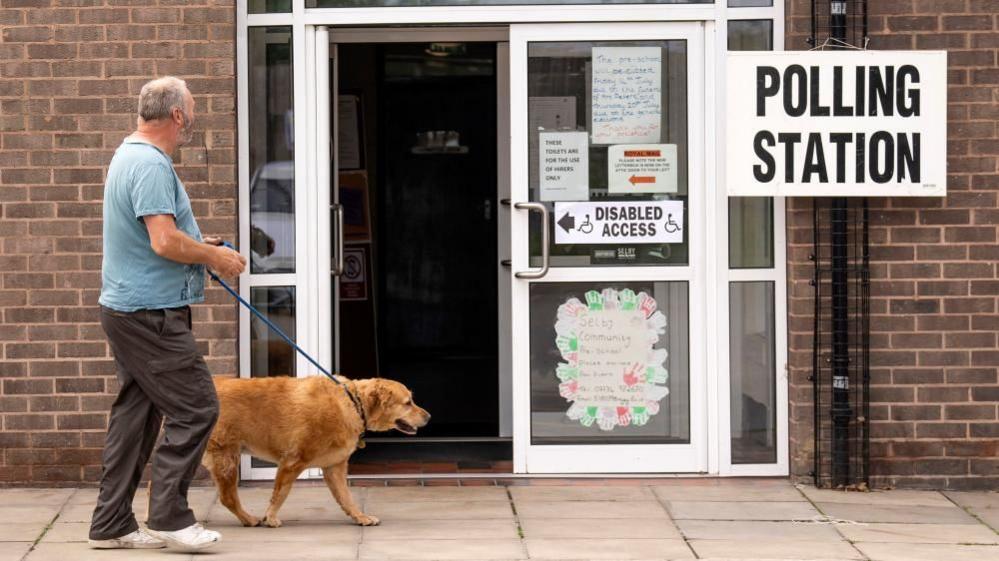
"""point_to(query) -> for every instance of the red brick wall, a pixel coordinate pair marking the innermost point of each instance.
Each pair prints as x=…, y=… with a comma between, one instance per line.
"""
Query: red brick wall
x=70, y=72
x=934, y=318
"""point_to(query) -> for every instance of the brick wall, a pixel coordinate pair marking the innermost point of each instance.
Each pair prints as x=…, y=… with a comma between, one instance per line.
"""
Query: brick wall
x=70, y=72
x=934, y=317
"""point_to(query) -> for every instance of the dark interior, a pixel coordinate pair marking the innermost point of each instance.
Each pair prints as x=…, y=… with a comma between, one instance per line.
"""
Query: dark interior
x=428, y=317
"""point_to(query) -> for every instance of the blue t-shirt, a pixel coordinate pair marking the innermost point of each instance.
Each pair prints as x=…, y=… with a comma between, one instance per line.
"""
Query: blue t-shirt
x=141, y=182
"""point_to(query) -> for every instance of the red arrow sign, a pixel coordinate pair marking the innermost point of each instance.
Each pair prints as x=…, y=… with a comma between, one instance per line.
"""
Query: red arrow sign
x=635, y=179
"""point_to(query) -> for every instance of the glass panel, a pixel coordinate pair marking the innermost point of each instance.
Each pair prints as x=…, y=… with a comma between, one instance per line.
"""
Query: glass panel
x=753, y=389
x=272, y=151
x=750, y=35
x=268, y=6
x=610, y=363
x=270, y=355
x=750, y=3
x=391, y=3
x=750, y=232
x=607, y=123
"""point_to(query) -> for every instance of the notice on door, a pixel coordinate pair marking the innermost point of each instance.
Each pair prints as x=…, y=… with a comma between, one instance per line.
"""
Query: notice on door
x=641, y=168
x=626, y=86
x=564, y=166
x=612, y=373
x=619, y=222
x=353, y=283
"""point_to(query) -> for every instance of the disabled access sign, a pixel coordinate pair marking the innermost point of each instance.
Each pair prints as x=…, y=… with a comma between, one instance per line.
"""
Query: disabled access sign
x=616, y=222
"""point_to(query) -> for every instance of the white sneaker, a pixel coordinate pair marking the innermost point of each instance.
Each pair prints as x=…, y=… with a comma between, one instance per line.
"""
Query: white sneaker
x=193, y=538
x=138, y=539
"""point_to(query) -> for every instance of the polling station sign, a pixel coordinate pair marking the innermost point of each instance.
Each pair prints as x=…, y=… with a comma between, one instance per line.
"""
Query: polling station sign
x=616, y=222
x=837, y=123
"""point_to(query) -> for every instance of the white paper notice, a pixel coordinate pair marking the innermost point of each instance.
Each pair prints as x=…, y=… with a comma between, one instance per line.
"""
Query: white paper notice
x=549, y=113
x=641, y=168
x=348, y=138
x=626, y=95
x=619, y=222
x=564, y=166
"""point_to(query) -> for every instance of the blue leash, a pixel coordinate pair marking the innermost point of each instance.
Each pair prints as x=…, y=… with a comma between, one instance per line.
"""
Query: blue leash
x=355, y=400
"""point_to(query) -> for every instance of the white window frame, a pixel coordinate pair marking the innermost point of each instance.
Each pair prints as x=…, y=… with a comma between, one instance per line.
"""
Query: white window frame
x=311, y=222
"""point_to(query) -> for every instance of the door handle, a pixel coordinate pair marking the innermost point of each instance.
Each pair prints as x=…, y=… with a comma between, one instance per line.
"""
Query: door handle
x=543, y=270
x=336, y=267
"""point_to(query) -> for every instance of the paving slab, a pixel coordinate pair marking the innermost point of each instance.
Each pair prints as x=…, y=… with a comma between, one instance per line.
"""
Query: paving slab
x=24, y=514
x=21, y=532
x=920, y=533
x=757, y=530
x=36, y=497
x=766, y=549
x=64, y=532
x=897, y=513
x=451, y=510
x=928, y=552
x=736, y=491
x=603, y=528
x=310, y=531
x=496, y=528
x=435, y=494
x=327, y=511
x=13, y=551
x=744, y=510
x=617, y=549
x=987, y=516
x=459, y=549
x=80, y=552
x=590, y=509
x=581, y=493
x=975, y=499
x=278, y=551
x=877, y=498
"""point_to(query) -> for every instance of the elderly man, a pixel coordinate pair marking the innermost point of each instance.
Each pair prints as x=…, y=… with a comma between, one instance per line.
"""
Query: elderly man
x=153, y=270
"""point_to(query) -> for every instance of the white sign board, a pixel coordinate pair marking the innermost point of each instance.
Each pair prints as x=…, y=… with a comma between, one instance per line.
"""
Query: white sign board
x=641, y=168
x=616, y=222
x=626, y=95
x=564, y=166
x=844, y=123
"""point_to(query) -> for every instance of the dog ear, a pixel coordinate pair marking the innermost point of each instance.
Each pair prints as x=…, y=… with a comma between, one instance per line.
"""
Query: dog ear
x=380, y=397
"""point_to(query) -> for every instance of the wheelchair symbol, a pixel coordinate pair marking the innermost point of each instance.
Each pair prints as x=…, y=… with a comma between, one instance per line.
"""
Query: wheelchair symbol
x=586, y=227
x=671, y=226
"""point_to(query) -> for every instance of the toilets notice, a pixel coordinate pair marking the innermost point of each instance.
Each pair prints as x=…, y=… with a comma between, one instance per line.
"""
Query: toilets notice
x=616, y=222
x=843, y=123
x=641, y=168
x=565, y=166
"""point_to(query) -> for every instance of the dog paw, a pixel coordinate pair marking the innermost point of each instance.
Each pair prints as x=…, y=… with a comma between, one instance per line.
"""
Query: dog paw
x=271, y=521
x=366, y=520
x=251, y=521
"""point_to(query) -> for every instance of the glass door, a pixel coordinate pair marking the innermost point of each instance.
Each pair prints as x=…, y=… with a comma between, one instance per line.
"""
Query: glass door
x=608, y=247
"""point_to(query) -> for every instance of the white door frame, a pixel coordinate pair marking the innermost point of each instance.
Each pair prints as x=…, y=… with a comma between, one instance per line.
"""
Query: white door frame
x=655, y=458
x=308, y=279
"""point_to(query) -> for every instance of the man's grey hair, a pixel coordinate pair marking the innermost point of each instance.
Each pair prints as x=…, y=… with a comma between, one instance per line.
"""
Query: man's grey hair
x=159, y=97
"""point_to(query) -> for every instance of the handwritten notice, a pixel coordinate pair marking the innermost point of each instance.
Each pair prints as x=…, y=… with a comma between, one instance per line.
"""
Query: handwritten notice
x=626, y=102
x=564, y=166
x=612, y=375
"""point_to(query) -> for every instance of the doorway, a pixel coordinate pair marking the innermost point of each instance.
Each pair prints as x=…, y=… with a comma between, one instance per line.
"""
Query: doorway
x=416, y=179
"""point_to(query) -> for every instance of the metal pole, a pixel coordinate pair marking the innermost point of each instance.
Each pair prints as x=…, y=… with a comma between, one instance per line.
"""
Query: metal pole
x=840, y=293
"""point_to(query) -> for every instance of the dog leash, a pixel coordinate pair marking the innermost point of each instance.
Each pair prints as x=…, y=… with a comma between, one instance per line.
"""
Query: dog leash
x=353, y=398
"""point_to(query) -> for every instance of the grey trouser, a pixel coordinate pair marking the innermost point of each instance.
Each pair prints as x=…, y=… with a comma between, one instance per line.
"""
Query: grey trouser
x=161, y=375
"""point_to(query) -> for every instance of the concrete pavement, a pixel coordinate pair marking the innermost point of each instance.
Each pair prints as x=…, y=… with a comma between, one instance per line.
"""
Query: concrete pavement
x=587, y=520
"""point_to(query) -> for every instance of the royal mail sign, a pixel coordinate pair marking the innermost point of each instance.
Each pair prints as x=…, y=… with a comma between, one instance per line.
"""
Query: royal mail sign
x=837, y=123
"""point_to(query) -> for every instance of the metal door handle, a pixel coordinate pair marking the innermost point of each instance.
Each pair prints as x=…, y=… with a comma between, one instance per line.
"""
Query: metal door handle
x=336, y=268
x=537, y=273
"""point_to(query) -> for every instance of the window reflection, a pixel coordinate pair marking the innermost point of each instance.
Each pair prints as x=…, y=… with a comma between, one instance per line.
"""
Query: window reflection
x=272, y=151
x=269, y=354
x=753, y=386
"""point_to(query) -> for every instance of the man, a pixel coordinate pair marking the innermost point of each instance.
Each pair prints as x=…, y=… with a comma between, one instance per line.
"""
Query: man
x=153, y=269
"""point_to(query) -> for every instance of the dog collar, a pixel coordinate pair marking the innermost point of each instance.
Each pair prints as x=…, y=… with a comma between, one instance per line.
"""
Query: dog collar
x=356, y=400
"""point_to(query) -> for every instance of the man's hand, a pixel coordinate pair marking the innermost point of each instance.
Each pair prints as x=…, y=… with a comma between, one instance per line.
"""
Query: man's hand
x=226, y=262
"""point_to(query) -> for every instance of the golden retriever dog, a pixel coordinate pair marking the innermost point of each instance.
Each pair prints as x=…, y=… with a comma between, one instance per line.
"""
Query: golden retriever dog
x=301, y=423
